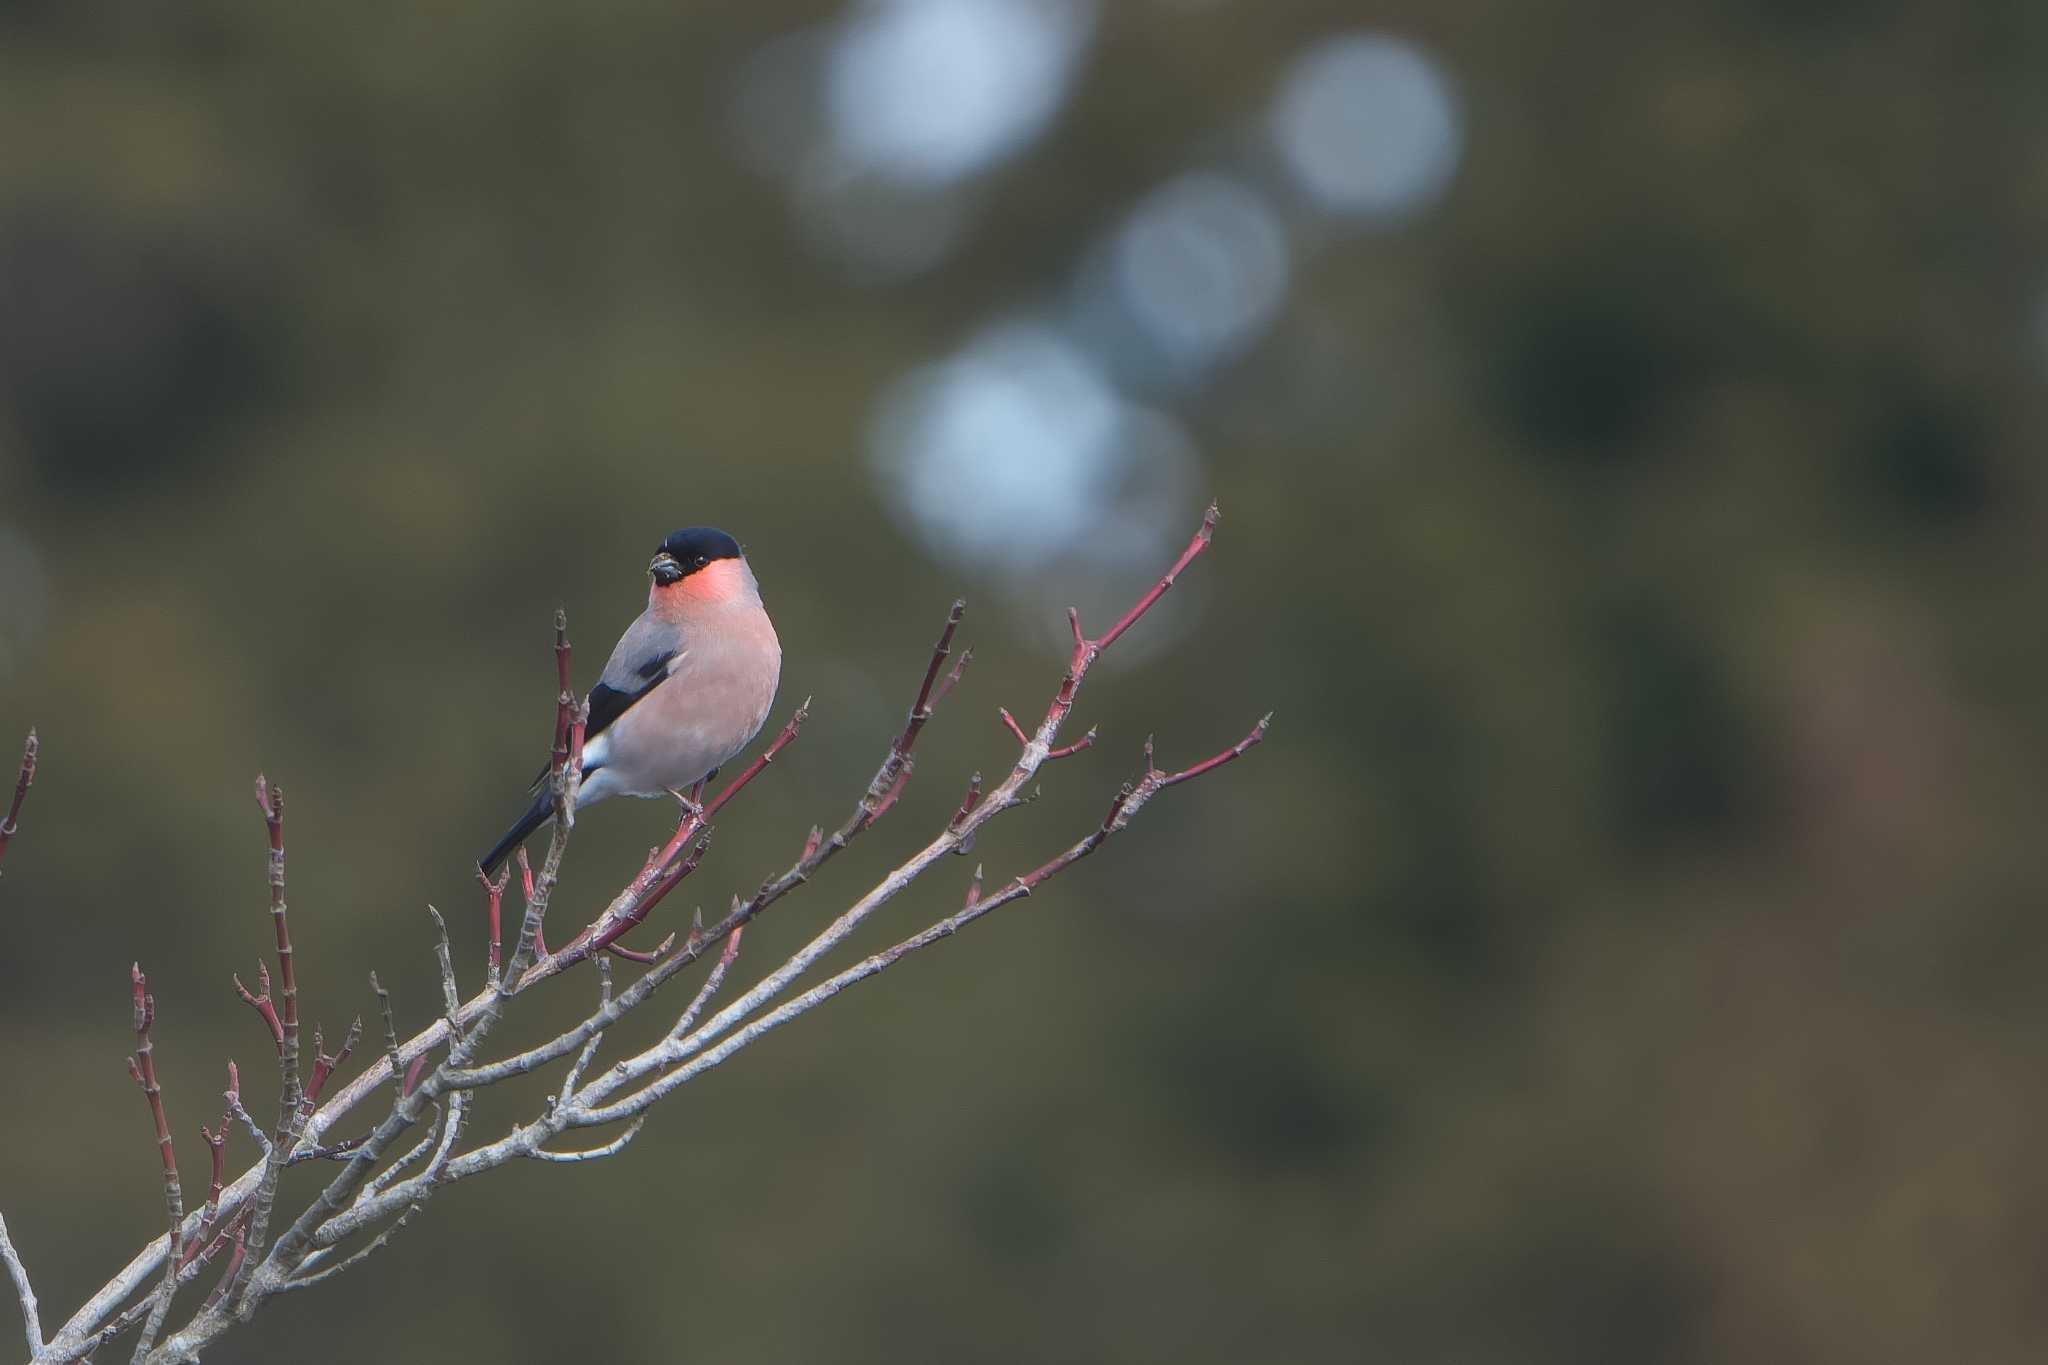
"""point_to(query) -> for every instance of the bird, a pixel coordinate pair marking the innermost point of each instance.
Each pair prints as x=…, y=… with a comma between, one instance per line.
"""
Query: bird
x=687, y=688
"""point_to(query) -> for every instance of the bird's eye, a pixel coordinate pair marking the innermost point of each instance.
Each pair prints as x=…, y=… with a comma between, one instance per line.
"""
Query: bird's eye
x=702, y=560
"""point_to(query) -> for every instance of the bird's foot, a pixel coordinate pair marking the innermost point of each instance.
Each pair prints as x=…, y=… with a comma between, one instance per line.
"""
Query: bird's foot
x=692, y=807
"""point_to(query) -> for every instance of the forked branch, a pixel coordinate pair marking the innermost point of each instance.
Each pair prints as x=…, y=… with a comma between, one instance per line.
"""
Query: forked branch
x=387, y=1176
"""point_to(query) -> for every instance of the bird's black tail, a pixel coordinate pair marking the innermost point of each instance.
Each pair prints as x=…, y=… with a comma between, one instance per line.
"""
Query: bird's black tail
x=539, y=813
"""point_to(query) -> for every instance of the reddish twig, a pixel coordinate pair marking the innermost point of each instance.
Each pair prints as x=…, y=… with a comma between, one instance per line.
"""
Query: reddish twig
x=232, y=1269
x=565, y=705
x=1086, y=651
x=895, y=771
x=324, y=1065
x=1086, y=741
x=540, y=941
x=667, y=881
x=142, y=1066
x=261, y=1003
x=657, y=876
x=193, y=1265
x=952, y=679
x=495, y=890
x=1203, y=535
x=217, y=1146
x=290, y=1114
x=1127, y=801
x=967, y=803
x=1236, y=750
x=270, y=800
x=21, y=786
x=620, y=950
x=217, y=1150
x=921, y=711
x=1011, y=721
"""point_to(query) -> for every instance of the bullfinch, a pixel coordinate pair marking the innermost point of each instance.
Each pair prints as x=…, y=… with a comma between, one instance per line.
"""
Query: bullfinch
x=689, y=685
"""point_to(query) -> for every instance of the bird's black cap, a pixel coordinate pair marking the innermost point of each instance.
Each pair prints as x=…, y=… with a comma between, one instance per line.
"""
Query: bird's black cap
x=689, y=550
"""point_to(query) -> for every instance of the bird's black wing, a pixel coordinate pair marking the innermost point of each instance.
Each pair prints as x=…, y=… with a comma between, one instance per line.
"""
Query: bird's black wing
x=638, y=665
x=608, y=703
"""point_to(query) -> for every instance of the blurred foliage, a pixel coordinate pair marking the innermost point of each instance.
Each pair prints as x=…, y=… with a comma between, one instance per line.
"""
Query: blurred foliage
x=1627, y=947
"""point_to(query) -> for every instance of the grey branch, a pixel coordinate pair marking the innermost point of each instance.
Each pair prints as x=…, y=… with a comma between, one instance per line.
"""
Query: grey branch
x=387, y=1178
x=612, y=1148
x=31, y=1320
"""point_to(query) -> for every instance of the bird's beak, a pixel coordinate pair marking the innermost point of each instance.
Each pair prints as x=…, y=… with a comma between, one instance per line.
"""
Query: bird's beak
x=665, y=569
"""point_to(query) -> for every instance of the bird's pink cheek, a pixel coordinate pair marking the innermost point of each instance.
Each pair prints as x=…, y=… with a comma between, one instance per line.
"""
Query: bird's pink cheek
x=715, y=582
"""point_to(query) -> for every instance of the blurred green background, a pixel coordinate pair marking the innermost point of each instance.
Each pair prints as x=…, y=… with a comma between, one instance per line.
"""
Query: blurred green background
x=1627, y=947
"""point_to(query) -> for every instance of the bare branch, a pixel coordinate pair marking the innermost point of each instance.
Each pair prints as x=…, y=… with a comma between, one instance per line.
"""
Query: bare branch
x=136, y=1312
x=374, y=1193
x=232, y=1269
x=1121, y=811
x=388, y=1177
x=612, y=1148
x=355, y=1258
x=494, y=891
x=590, y=1046
x=325, y=1066
x=1010, y=723
x=31, y=1320
x=391, y=1028
x=29, y=750
x=270, y=800
x=142, y=1066
x=1084, y=742
x=451, y=993
x=1203, y=535
x=262, y=1004
x=233, y=1095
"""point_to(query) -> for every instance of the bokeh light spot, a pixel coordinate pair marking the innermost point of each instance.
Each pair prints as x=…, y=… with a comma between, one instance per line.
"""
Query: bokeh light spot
x=932, y=91
x=1368, y=125
x=1016, y=452
x=1202, y=266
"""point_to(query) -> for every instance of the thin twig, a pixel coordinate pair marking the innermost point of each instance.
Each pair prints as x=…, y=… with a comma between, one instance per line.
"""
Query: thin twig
x=590, y=1046
x=270, y=801
x=494, y=892
x=451, y=993
x=612, y=1148
x=262, y=1004
x=390, y=1028
x=364, y=1253
x=231, y=1270
x=142, y=1066
x=22, y=782
x=233, y=1095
